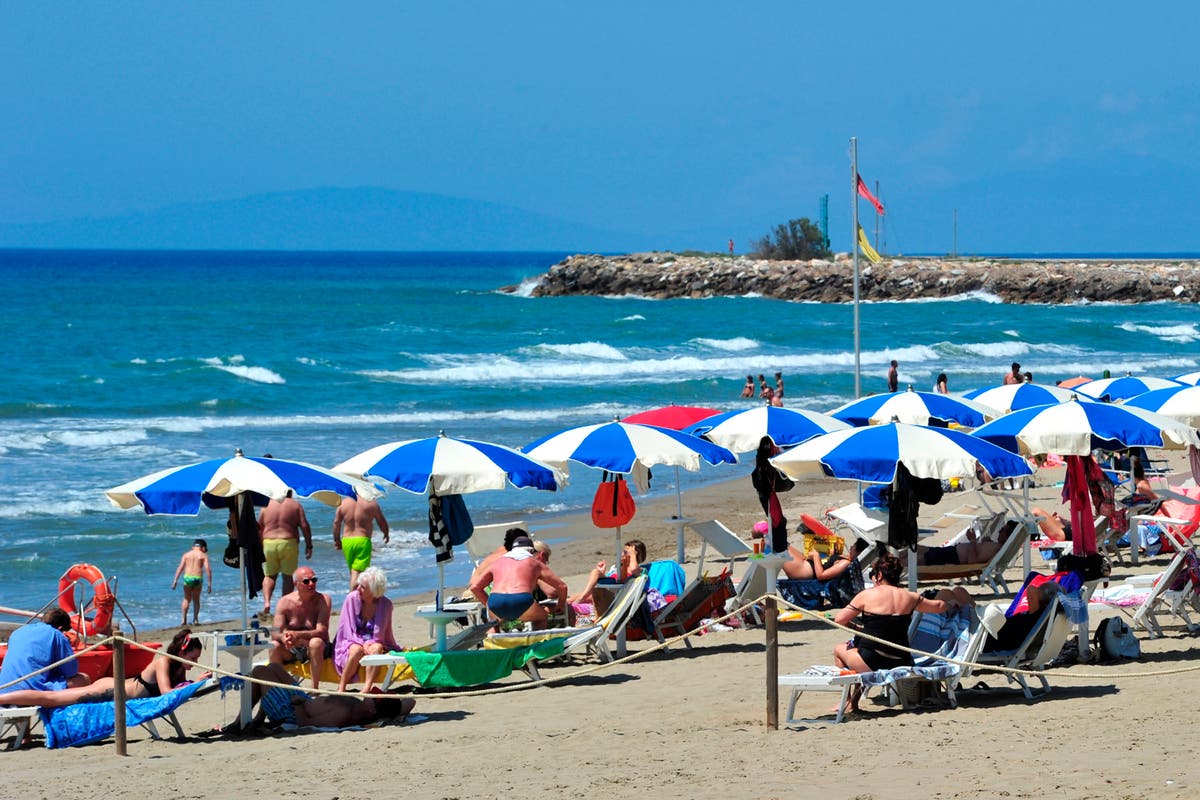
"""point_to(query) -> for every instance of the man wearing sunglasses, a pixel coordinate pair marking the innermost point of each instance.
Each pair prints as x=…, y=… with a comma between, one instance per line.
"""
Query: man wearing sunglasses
x=302, y=625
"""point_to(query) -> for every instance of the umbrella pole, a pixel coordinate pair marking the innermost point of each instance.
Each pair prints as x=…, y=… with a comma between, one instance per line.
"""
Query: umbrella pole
x=245, y=578
x=438, y=602
x=678, y=518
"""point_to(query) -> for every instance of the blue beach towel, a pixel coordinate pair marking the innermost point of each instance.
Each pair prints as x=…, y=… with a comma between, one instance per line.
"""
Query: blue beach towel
x=84, y=723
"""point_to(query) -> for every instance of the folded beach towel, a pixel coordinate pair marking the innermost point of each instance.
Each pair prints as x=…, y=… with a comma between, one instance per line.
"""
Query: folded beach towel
x=83, y=723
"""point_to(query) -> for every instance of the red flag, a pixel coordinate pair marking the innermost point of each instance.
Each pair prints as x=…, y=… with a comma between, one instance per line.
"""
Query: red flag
x=866, y=194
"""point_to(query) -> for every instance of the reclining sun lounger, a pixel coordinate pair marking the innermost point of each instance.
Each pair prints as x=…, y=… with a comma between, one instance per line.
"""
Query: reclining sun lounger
x=1041, y=645
x=954, y=639
x=84, y=723
x=20, y=719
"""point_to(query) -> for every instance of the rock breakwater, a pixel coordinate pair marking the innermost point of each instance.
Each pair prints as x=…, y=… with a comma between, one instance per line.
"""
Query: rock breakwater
x=666, y=275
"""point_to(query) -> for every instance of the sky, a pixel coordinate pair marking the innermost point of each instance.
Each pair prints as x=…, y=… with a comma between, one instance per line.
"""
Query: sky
x=991, y=128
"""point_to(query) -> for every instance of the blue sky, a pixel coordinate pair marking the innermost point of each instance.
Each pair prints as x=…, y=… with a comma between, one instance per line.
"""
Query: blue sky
x=1048, y=127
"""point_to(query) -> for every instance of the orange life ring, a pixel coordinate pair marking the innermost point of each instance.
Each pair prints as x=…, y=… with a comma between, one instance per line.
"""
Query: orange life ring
x=103, y=600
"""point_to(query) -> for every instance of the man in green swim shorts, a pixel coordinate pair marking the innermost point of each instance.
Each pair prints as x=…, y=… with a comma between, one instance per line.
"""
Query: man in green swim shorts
x=353, y=525
x=193, y=567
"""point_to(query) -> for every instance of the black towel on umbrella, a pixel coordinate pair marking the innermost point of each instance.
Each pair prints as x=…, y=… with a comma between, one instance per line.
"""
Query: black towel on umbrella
x=439, y=534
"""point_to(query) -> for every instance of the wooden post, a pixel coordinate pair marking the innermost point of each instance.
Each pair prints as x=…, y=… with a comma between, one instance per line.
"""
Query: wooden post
x=118, y=664
x=772, y=626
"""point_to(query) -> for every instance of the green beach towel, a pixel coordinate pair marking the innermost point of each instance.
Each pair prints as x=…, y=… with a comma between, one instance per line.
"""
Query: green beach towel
x=474, y=667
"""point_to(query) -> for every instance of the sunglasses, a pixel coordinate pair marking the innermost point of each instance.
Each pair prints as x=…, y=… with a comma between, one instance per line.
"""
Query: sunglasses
x=309, y=581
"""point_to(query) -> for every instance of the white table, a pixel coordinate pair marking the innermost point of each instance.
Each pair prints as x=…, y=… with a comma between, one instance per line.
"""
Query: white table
x=245, y=653
x=438, y=620
x=473, y=610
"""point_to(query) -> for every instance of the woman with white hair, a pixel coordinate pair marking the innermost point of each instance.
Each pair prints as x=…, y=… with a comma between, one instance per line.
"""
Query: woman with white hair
x=364, y=627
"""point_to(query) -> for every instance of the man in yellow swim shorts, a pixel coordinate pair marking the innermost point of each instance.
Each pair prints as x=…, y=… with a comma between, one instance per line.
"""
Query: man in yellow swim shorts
x=353, y=525
x=279, y=526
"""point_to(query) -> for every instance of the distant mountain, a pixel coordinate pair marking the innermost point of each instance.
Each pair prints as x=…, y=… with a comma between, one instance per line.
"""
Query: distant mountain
x=325, y=219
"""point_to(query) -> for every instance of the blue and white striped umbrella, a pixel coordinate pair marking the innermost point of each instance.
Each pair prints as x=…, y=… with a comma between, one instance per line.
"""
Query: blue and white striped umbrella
x=451, y=466
x=1112, y=390
x=1016, y=396
x=615, y=446
x=914, y=408
x=1178, y=402
x=871, y=454
x=1076, y=428
x=182, y=490
x=1188, y=379
x=741, y=431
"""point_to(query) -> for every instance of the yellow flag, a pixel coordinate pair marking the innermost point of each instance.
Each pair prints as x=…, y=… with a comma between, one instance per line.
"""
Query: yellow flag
x=865, y=248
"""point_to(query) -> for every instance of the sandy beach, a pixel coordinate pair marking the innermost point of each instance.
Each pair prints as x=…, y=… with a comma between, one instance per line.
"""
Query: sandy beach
x=691, y=720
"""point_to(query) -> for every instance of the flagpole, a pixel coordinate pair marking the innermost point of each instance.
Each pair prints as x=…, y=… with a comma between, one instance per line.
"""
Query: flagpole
x=854, y=247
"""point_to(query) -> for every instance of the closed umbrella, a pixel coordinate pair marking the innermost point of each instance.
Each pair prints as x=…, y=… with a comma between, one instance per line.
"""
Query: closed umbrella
x=914, y=408
x=619, y=446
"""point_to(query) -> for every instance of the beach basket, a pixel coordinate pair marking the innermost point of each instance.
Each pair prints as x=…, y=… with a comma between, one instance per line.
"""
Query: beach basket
x=824, y=544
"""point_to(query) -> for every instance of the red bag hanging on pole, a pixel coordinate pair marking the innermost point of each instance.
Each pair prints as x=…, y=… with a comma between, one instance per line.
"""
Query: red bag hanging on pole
x=613, y=505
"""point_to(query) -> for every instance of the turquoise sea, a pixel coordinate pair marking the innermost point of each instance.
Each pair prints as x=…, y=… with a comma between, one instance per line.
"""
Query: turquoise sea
x=118, y=364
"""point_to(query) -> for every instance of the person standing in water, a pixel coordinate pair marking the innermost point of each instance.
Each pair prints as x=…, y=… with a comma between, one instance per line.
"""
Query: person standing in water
x=193, y=566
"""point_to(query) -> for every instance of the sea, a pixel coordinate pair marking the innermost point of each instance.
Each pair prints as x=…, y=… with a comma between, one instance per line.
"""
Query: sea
x=119, y=364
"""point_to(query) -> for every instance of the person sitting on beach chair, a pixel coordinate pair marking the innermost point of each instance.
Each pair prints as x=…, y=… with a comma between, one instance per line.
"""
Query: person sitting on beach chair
x=595, y=601
x=302, y=625
x=514, y=577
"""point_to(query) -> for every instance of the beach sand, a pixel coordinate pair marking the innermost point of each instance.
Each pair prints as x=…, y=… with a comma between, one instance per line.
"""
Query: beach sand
x=690, y=722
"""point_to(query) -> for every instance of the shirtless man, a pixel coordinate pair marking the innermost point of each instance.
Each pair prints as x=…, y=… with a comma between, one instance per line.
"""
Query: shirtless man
x=513, y=578
x=302, y=625
x=357, y=518
x=1015, y=376
x=279, y=527
x=194, y=566
x=893, y=376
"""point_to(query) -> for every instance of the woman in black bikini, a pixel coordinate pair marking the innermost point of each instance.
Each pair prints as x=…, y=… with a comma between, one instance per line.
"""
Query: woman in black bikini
x=162, y=675
x=886, y=611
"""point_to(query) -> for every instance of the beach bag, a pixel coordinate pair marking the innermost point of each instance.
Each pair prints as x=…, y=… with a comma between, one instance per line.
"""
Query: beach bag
x=232, y=557
x=1114, y=639
x=613, y=505
x=1092, y=566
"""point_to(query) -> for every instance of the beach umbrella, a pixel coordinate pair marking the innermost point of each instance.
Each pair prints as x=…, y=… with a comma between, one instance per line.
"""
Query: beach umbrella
x=871, y=454
x=676, y=418
x=1190, y=378
x=182, y=490
x=1077, y=428
x=914, y=408
x=445, y=466
x=1016, y=396
x=235, y=483
x=619, y=446
x=1071, y=383
x=741, y=431
x=1112, y=390
x=1177, y=402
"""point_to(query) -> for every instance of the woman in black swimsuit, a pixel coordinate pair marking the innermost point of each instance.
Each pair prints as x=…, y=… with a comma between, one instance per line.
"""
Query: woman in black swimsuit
x=162, y=675
x=886, y=610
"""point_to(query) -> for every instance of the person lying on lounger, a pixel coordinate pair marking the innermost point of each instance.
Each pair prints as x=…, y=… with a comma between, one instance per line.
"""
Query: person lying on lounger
x=161, y=676
x=972, y=551
x=282, y=706
x=810, y=567
x=1052, y=525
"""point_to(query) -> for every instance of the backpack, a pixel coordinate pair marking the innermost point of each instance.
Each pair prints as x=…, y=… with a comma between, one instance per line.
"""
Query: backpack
x=613, y=505
x=1114, y=639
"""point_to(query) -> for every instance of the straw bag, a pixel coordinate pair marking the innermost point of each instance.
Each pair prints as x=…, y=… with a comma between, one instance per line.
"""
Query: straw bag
x=613, y=505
